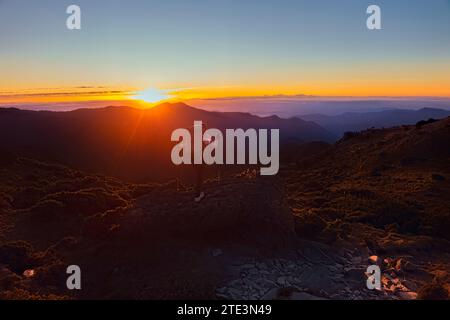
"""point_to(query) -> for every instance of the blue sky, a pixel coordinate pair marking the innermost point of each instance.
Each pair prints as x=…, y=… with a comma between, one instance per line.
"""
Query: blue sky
x=283, y=44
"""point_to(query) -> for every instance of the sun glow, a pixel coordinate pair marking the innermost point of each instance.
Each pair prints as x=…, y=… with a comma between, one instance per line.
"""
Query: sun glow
x=152, y=95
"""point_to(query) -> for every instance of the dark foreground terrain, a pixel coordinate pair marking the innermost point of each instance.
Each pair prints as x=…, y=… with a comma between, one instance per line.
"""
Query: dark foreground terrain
x=375, y=197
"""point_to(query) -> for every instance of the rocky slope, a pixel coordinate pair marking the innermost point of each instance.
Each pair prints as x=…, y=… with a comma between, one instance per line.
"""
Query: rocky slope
x=378, y=197
x=383, y=193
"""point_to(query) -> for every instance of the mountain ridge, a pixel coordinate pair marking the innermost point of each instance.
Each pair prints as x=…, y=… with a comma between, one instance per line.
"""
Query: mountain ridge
x=357, y=121
x=126, y=142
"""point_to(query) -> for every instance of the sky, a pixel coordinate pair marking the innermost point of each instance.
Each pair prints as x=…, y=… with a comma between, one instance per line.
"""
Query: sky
x=200, y=49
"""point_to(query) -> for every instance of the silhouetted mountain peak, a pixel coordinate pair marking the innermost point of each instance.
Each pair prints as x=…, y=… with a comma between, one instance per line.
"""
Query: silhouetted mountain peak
x=128, y=142
x=173, y=106
x=274, y=117
x=427, y=109
x=4, y=111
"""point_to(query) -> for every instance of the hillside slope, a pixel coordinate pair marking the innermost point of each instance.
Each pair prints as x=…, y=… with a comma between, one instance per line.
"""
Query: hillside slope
x=124, y=142
x=357, y=121
x=383, y=192
x=306, y=234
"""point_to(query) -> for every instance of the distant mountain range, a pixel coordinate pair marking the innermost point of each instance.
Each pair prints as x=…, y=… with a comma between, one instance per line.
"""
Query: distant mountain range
x=287, y=107
x=355, y=121
x=134, y=144
x=125, y=142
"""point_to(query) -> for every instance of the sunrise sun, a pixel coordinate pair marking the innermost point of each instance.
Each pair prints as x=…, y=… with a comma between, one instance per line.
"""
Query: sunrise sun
x=152, y=95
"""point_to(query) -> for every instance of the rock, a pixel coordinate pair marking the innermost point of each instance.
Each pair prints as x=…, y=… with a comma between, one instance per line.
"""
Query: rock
x=357, y=260
x=404, y=265
x=389, y=262
x=261, y=266
x=222, y=296
x=281, y=281
x=407, y=295
x=222, y=290
x=253, y=271
x=236, y=283
x=217, y=252
x=291, y=265
x=357, y=274
x=296, y=280
x=270, y=282
x=410, y=285
x=304, y=296
x=29, y=273
x=270, y=295
x=392, y=288
x=256, y=286
x=278, y=265
x=336, y=296
x=236, y=294
x=290, y=279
